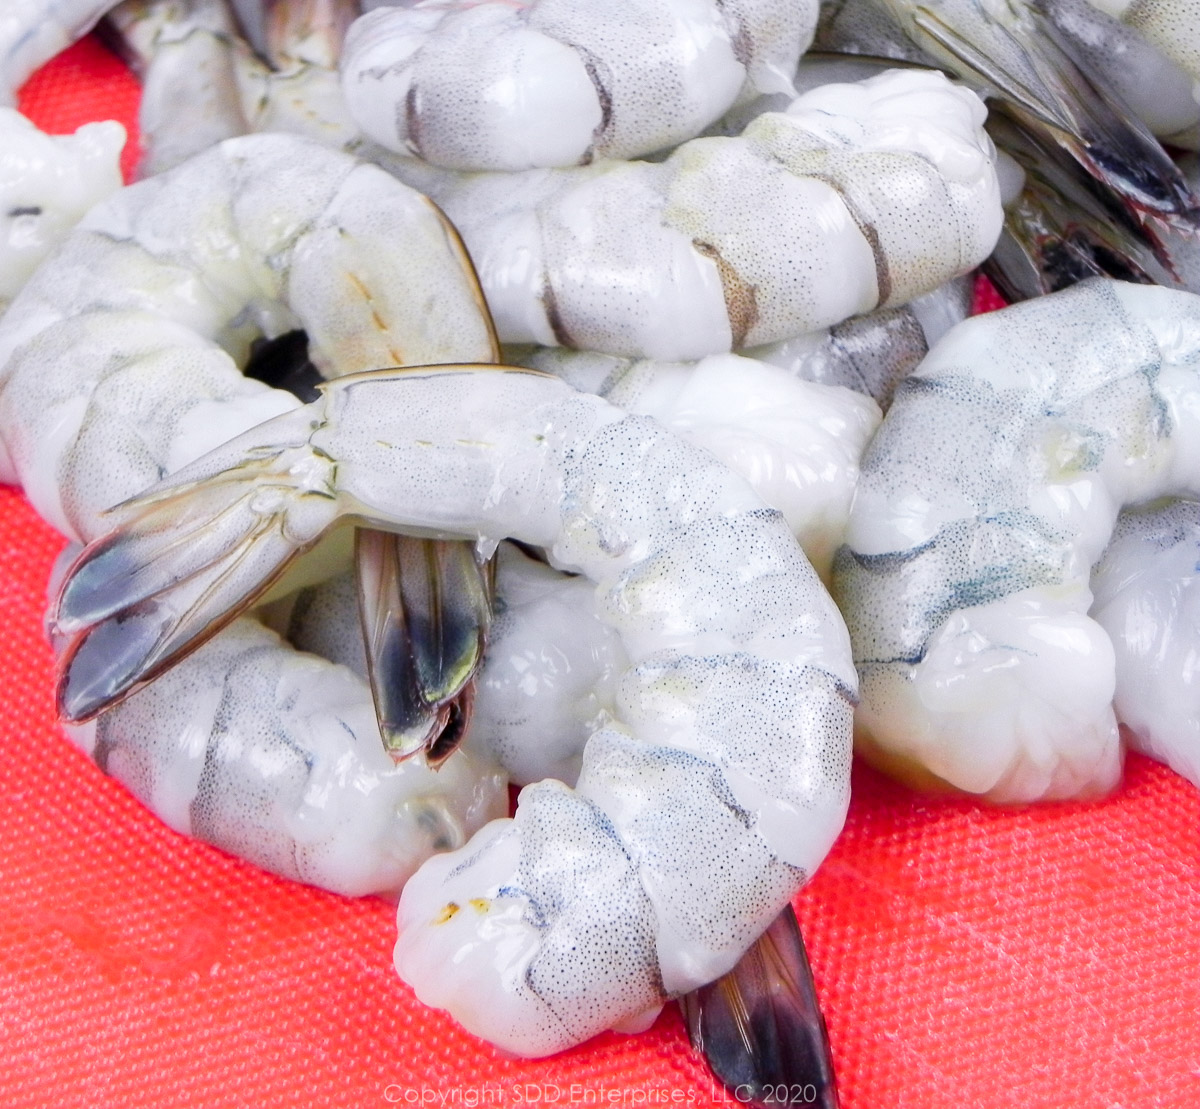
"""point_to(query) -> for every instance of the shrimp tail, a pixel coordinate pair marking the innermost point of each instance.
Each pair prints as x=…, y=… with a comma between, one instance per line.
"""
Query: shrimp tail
x=1060, y=96
x=426, y=608
x=760, y=1026
x=1064, y=228
x=184, y=561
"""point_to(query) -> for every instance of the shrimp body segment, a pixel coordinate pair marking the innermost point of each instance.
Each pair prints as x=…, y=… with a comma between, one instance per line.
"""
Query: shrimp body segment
x=732, y=736
x=989, y=492
x=857, y=196
x=508, y=86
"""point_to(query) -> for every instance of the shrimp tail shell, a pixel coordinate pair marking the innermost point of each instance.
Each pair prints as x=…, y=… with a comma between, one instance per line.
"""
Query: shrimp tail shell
x=184, y=562
x=760, y=1026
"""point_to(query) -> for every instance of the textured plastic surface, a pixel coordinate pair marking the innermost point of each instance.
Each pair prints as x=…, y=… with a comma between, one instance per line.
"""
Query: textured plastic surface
x=965, y=956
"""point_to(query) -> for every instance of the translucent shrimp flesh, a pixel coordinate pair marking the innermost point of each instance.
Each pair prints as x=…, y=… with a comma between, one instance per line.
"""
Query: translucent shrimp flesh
x=1146, y=599
x=989, y=492
x=47, y=183
x=120, y=363
x=858, y=196
x=593, y=904
x=515, y=85
x=796, y=442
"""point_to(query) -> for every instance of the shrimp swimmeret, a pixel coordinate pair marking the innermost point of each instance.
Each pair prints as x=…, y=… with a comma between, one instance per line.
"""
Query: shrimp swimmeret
x=859, y=195
x=592, y=905
x=513, y=85
x=120, y=363
x=989, y=492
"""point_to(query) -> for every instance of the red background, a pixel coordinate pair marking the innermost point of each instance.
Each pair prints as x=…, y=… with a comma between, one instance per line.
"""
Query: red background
x=965, y=956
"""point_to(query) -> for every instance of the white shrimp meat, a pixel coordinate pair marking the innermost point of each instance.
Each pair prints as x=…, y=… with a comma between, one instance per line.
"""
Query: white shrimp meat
x=989, y=492
x=858, y=196
x=1147, y=601
x=509, y=85
x=47, y=184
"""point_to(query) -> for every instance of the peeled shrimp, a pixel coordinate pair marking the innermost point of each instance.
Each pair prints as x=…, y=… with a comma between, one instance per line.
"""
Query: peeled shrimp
x=858, y=196
x=501, y=85
x=1148, y=603
x=33, y=31
x=990, y=490
x=592, y=905
x=797, y=443
x=1039, y=60
x=201, y=82
x=47, y=183
x=1171, y=26
x=120, y=363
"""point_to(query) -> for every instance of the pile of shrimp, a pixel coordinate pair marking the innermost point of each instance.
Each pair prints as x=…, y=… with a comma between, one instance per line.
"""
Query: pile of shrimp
x=717, y=297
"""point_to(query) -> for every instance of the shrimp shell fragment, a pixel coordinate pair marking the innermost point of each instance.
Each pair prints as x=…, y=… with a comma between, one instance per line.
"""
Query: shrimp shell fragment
x=989, y=492
x=859, y=195
x=592, y=905
x=509, y=86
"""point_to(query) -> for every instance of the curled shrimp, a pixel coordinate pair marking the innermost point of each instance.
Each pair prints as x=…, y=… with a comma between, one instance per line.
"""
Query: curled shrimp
x=990, y=490
x=120, y=362
x=592, y=905
x=33, y=31
x=514, y=85
x=858, y=196
x=47, y=183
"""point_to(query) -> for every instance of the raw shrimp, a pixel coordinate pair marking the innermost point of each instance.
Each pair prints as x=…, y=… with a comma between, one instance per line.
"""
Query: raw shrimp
x=120, y=363
x=47, y=183
x=511, y=85
x=990, y=490
x=1148, y=603
x=1038, y=62
x=592, y=905
x=33, y=31
x=201, y=83
x=858, y=196
x=797, y=443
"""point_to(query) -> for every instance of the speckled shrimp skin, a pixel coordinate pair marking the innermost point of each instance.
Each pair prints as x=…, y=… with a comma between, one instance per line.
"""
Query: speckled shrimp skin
x=119, y=363
x=989, y=492
x=33, y=31
x=516, y=84
x=859, y=195
x=732, y=737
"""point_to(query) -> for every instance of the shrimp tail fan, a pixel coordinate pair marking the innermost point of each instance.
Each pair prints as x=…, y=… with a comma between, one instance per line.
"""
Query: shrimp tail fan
x=426, y=609
x=1033, y=68
x=760, y=1026
x=1064, y=227
x=185, y=559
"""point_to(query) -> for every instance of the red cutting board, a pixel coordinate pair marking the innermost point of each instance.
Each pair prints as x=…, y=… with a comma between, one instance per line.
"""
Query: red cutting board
x=966, y=957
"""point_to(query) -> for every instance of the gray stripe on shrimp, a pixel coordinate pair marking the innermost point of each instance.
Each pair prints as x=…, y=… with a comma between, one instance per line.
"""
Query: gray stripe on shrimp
x=598, y=73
